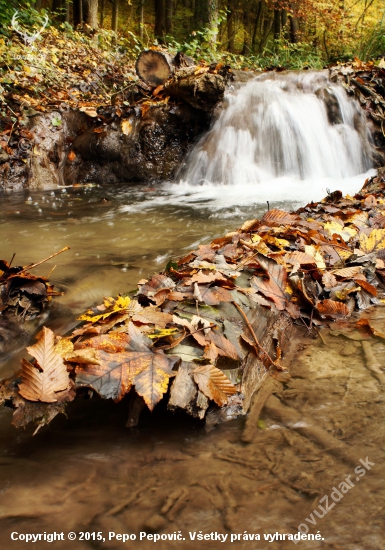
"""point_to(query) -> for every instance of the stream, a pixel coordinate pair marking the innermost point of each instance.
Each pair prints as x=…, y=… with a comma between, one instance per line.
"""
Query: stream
x=88, y=473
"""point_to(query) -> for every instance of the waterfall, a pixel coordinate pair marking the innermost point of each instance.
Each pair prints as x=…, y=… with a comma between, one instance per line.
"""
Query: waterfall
x=298, y=125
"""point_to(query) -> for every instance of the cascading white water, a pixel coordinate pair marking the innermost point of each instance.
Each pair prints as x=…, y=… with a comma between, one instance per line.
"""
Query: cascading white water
x=292, y=125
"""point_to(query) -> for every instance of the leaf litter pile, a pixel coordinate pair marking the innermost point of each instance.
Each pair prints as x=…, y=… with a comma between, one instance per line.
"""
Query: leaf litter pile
x=215, y=323
x=24, y=295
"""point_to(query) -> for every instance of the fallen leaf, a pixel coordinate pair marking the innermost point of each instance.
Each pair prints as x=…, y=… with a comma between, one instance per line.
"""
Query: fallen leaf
x=126, y=127
x=48, y=376
x=109, y=307
x=333, y=309
x=278, y=217
x=372, y=242
x=116, y=373
x=214, y=384
x=274, y=286
x=71, y=156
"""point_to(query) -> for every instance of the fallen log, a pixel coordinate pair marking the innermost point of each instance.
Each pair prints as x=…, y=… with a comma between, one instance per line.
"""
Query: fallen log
x=202, y=87
x=213, y=327
x=154, y=67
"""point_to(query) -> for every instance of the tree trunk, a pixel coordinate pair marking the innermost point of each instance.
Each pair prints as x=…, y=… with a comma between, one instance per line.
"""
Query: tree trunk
x=141, y=20
x=154, y=67
x=256, y=25
x=38, y=5
x=277, y=24
x=160, y=25
x=168, y=18
x=231, y=26
x=294, y=28
x=246, y=30
x=77, y=12
x=90, y=13
x=201, y=91
x=102, y=12
x=115, y=15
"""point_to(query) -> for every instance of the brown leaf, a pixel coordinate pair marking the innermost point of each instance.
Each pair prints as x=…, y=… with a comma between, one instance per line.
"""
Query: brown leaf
x=277, y=217
x=115, y=374
x=224, y=346
x=71, y=156
x=151, y=315
x=366, y=286
x=274, y=286
x=333, y=309
x=365, y=324
x=213, y=296
x=347, y=272
x=299, y=258
x=42, y=381
x=214, y=384
x=153, y=288
x=328, y=280
x=203, y=278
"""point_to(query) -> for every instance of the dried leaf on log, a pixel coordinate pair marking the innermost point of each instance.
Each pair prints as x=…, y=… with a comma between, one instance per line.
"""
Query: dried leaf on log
x=214, y=384
x=116, y=373
x=48, y=376
x=273, y=287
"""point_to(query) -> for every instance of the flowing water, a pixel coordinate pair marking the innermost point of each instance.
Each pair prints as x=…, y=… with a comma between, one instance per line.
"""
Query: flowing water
x=280, y=138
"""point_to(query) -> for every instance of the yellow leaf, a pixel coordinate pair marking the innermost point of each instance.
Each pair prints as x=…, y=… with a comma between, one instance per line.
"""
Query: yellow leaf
x=161, y=333
x=126, y=127
x=375, y=241
x=64, y=347
x=314, y=252
x=279, y=243
x=335, y=228
x=109, y=307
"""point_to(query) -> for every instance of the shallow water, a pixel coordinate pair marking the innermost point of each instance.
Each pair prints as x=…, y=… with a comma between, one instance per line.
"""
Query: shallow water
x=89, y=474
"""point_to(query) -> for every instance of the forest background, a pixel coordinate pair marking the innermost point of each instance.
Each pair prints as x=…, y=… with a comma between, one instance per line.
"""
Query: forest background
x=293, y=34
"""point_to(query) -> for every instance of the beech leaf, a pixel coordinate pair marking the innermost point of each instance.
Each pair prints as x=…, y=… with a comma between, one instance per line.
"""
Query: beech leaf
x=42, y=381
x=214, y=384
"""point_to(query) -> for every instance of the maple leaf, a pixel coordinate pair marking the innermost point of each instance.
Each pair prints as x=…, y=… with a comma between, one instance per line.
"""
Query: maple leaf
x=116, y=373
x=274, y=286
x=42, y=381
x=214, y=384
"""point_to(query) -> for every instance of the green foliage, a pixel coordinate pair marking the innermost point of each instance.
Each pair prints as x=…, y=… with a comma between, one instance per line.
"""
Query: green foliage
x=372, y=45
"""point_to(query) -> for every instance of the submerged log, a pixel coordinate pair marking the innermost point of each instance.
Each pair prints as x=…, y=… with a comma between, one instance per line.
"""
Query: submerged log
x=214, y=326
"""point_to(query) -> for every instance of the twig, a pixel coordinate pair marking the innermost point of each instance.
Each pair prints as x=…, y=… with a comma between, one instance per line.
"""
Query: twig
x=244, y=316
x=322, y=338
x=26, y=268
x=13, y=257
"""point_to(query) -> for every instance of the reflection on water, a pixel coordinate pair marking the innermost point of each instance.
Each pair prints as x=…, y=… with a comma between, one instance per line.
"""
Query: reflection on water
x=89, y=473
